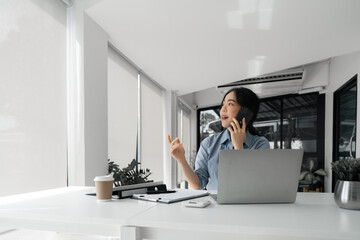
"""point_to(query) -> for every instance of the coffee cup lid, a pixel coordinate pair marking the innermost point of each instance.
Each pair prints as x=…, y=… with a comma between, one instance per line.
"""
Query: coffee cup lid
x=104, y=178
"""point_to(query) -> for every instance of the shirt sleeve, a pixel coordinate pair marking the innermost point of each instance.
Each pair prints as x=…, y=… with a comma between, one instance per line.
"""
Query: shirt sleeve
x=201, y=168
x=262, y=143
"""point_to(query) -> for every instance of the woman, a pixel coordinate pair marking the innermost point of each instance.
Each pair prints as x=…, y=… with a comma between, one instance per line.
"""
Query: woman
x=232, y=137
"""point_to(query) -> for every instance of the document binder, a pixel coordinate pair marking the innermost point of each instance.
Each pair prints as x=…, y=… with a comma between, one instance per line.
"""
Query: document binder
x=129, y=190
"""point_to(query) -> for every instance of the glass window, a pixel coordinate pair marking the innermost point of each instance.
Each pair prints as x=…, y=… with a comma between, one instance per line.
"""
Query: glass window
x=345, y=105
x=209, y=122
x=296, y=122
x=300, y=122
x=180, y=176
x=183, y=116
x=268, y=121
x=346, y=124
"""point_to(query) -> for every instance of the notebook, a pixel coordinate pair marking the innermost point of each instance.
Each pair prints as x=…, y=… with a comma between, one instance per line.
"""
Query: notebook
x=179, y=195
x=258, y=176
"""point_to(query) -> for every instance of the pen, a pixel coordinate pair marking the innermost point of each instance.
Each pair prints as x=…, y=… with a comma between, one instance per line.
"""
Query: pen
x=152, y=199
x=159, y=192
x=149, y=199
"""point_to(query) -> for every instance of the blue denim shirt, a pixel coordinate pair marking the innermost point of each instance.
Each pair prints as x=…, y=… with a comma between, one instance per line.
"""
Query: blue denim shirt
x=207, y=159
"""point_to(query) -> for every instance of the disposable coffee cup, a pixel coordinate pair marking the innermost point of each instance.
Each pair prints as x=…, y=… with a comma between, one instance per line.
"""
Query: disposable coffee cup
x=104, y=187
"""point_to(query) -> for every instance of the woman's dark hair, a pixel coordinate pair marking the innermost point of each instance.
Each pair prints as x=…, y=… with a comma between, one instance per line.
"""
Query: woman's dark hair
x=247, y=98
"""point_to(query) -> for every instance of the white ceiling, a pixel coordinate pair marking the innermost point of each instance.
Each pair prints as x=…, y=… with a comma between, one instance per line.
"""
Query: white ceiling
x=190, y=45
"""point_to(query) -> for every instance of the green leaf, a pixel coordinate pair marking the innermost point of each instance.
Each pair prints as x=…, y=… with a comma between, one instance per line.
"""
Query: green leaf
x=309, y=177
x=311, y=165
x=128, y=175
x=321, y=172
x=303, y=175
x=347, y=169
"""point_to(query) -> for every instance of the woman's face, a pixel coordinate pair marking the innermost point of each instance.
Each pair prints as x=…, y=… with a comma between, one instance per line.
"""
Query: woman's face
x=230, y=108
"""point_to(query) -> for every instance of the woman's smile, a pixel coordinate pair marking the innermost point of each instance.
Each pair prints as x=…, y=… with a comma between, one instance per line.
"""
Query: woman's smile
x=223, y=117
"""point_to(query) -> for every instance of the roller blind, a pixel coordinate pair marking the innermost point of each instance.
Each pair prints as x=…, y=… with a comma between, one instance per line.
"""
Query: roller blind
x=152, y=135
x=33, y=96
x=122, y=109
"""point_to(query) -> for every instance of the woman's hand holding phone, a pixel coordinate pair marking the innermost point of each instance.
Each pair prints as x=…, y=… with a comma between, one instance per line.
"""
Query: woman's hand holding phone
x=176, y=149
x=238, y=133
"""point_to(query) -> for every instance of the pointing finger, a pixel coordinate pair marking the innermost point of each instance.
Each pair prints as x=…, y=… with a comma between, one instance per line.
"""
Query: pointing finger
x=176, y=140
x=169, y=139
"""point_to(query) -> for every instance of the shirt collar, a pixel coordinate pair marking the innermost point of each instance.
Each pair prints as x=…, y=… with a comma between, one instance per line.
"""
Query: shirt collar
x=226, y=137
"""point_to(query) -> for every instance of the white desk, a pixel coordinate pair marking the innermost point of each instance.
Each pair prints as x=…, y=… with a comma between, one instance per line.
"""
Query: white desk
x=313, y=216
x=70, y=210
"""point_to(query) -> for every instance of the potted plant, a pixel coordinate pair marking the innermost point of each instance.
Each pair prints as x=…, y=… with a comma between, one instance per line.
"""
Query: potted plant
x=128, y=175
x=313, y=178
x=347, y=188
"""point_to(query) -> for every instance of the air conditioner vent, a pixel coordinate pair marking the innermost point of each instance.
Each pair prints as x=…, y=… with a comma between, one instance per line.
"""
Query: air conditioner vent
x=265, y=79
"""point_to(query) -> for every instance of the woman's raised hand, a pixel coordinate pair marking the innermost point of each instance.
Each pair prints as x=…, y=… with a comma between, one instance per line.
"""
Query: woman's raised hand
x=176, y=149
x=178, y=152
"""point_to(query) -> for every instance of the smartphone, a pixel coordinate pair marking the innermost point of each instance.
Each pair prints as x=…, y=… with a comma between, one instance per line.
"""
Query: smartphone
x=244, y=113
x=196, y=203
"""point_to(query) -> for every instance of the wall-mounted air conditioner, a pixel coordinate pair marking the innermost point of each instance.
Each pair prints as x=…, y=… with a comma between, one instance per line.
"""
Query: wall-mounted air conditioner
x=274, y=84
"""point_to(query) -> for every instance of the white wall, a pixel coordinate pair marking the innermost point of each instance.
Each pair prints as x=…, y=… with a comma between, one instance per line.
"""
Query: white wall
x=342, y=69
x=87, y=96
x=206, y=98
x=316, y=75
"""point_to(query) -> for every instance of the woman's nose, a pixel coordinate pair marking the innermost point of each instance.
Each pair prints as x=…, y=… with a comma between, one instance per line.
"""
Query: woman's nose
x=222, y=109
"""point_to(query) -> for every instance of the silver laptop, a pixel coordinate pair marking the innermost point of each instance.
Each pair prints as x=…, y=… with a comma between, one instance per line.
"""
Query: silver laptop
x=258, y=176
